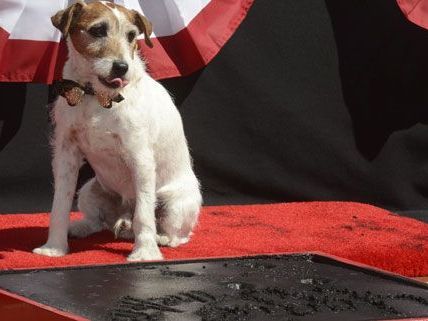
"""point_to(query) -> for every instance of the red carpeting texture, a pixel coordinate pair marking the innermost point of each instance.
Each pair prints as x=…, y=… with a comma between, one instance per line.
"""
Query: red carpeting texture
x=354, y=231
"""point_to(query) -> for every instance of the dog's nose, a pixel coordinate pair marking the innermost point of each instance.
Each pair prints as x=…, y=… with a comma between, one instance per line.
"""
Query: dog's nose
x=119, y=68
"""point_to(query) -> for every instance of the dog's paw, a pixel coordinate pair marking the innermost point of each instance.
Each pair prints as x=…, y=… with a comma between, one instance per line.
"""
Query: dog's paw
x=165, y=240
x=149, y=253
x=82, y=228
x=52, y=251
x=123, y=228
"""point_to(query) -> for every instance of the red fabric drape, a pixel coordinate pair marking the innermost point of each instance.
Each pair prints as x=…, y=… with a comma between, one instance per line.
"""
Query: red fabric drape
x=416, y=11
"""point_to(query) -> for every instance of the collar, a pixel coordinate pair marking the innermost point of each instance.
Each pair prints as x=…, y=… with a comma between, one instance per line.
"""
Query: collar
x=73, y=92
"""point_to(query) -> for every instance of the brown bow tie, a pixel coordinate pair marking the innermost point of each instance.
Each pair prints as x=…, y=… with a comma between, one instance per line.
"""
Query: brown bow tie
x=73, y=92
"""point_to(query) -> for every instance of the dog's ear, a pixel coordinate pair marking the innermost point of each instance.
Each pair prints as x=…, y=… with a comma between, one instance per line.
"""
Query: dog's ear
x=63, y=19
x=144, y=25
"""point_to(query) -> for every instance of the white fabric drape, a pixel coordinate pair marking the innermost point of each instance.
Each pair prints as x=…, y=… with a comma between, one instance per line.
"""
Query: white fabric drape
x=30, y=19
x=187, y=34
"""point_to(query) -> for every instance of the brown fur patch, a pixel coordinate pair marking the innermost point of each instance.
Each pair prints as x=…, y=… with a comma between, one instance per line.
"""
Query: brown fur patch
x=130, y=16
x=64, y=19
x=73, y=135
x=111, y=5
x=91, y=47
x=82, y=41
x=144, y=25
x=126, y=12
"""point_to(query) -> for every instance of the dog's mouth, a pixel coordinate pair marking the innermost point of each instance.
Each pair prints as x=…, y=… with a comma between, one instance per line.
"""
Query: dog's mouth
x=114, y=83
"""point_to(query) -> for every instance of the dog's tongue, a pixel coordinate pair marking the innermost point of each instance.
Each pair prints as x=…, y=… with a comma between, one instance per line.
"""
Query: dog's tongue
x=117, y=82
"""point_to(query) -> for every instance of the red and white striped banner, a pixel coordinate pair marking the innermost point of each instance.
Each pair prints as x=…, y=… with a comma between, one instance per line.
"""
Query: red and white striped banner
x=187, y=34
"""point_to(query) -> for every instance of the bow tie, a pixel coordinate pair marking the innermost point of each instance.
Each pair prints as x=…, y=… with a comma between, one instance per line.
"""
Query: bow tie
x=73, y=92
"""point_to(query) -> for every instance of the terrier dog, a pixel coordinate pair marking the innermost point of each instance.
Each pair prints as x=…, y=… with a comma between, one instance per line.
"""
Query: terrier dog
x=144, y=185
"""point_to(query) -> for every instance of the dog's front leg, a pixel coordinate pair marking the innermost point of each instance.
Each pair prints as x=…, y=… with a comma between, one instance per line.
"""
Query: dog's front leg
x=144, y=221
x=66, y=162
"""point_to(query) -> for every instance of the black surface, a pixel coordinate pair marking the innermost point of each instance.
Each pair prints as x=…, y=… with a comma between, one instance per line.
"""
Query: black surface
x=309, y=100
x=297, y=287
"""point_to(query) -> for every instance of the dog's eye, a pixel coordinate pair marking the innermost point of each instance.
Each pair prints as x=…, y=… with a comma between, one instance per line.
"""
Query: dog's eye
x=98, y=31
x=131, y=36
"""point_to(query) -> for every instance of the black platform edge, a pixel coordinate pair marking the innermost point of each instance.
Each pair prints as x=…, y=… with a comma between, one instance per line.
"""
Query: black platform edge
x=317, y=257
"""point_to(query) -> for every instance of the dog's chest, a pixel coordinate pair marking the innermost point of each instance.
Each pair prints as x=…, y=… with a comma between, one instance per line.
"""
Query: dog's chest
x=102, y=140
x=102, y=136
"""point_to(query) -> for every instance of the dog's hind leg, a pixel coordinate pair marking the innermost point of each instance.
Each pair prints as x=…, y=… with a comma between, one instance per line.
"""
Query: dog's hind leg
x=95, y=204
x=180, y=203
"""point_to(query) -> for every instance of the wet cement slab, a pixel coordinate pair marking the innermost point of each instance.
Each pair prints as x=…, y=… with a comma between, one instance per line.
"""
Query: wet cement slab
x=287, y=287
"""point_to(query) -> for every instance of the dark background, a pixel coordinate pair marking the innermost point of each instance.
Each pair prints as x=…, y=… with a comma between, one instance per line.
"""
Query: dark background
x=309, y=100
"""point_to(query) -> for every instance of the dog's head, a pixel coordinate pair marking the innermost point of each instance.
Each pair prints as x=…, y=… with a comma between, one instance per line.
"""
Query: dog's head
x=104, y=36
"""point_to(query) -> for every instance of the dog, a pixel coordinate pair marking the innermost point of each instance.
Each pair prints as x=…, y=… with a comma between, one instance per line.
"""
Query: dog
x=144, y=186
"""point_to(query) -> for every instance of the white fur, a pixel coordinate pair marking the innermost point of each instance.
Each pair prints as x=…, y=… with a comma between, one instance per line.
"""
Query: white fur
x=114, y=10
x=139, y=154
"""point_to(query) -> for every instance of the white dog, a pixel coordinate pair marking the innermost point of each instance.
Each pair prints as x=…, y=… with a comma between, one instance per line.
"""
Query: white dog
x=137, y=148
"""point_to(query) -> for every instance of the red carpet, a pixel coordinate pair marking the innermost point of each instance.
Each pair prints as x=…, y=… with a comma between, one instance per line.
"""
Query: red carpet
x=358, y=232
